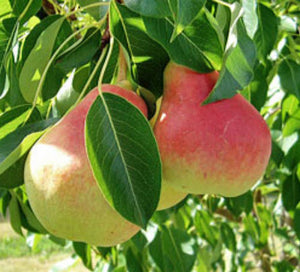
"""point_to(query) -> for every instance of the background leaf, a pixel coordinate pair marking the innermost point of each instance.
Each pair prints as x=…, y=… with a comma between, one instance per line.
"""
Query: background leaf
x=289, y=72
x=265, y=36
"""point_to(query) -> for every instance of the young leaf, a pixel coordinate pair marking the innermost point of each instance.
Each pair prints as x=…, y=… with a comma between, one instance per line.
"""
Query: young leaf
x=37, y=60
x=197, y=47
x=124, y=157
x=147, y=57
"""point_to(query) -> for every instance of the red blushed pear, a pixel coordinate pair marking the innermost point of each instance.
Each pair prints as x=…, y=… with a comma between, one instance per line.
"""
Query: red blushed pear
x=169, y=196
x=62, y=190
x=219, y=148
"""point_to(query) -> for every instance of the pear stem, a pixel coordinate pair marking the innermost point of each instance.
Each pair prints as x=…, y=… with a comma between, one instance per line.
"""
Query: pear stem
x=122, y=73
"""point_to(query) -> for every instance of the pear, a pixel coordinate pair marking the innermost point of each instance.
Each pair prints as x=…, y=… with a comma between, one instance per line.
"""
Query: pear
x=168, y=196
x=220, y=148
x=61, y=188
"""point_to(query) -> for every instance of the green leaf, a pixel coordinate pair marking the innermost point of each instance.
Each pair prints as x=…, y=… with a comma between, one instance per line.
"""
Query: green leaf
x=37, y=60
x=5, y=198
x=259, y=87
x=147, y=57
x=290, y=105
x=84, y=252
x=292, y=124
x=81, y=52
x=289, y=73
x=154, y=8
x=156, y=251
x=205, y=229
x=197, y=47
x=291, y=192
x=12, y=119
x=15, y=215
x=34, y=34
x=16, y=144
x=184, y=12
x=180, y=248
x=97, y=12
x=277, y=154
x=250, y=17
x=124, y=156
x=29, y=7
x=243, y=203
x=71, y=89
x=133, y=262
x=231, y=79
x=5, y=9
x=292, y=157
x=14, y=175
x=266, y=34
x=297, y=220
x=228, y=237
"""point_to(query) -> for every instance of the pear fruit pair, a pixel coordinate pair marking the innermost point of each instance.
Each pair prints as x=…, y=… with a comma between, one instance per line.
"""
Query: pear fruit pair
x=220, y=148
x=61, y=188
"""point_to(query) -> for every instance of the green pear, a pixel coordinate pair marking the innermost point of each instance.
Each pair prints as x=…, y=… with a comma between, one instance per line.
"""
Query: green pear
x=61, y=188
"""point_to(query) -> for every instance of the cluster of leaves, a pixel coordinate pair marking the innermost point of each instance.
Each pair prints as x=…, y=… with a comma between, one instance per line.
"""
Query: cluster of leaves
x=53, y=52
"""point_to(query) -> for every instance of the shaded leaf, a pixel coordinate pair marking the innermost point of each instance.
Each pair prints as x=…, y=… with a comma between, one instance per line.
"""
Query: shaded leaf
x=147, y=57
x=16, y=144
x=83, y=250
x=154, y=8
x=267, y=30
x=80, y=52
x=290, y=192
x=184, y=12
x=37, y=60
x=180, y=248
x=231, y=79
x=297, y=220
x=228, y=237
x=197, y=47
x=99, y=11
x=289, y=73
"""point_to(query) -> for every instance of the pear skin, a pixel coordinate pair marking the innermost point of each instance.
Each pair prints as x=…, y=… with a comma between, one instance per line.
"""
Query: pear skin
x=220, y=148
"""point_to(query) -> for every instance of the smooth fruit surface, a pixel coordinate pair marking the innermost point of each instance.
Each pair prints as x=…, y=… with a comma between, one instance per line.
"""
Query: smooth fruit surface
x=219, y=148
x=168, y=196
x=61, y=187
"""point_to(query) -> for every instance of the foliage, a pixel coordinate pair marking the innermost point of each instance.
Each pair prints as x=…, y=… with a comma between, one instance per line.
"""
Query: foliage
x=53, y=52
